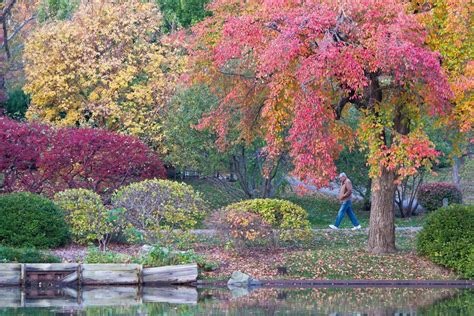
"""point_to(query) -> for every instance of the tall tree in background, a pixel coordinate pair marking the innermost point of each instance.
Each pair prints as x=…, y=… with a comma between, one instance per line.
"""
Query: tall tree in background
x=294, y=68
x=449, y=24
x=50, y=10
x=190, y=148
x=182, y=13
x=108, y=66
x=17, y=18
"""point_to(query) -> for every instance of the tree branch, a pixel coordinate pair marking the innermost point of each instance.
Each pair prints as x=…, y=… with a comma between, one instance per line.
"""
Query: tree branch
x=6, y=10
x=3, y=19
x=17, y=30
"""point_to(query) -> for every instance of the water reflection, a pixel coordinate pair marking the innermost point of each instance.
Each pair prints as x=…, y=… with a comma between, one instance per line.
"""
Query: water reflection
x=98, y=301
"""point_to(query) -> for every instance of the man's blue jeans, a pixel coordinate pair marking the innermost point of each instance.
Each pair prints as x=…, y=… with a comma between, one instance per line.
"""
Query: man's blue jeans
x=346, y=206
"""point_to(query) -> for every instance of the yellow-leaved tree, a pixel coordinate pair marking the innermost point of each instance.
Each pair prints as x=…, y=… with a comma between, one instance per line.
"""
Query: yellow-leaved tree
x=449, y=24
x=109, y=66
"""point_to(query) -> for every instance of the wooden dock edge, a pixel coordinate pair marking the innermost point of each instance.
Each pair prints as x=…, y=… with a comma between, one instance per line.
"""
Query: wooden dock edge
x=21, y=274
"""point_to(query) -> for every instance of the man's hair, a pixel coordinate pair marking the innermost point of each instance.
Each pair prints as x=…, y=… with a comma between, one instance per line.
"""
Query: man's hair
x=342, y=174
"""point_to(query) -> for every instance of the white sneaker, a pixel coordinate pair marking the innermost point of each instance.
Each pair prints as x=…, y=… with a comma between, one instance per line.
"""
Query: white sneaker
x=333, y=227
x=356, y=227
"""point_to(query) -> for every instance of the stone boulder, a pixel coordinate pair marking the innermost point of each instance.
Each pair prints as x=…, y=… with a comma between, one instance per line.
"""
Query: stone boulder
x=240, y=279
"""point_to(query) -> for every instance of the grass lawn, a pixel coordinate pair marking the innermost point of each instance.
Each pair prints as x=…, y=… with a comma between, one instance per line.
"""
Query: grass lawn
x=330, y=255
x=323, y=210
x=344, y=256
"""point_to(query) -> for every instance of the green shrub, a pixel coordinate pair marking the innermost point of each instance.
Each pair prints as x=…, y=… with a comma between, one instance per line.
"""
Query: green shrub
x=448, y=238
x=17, y=104
x=431, y=195
x=154, y=206
x=95, y=255
x=164, y=256
x=30, y=220
x=89, y=219
x=26, y=255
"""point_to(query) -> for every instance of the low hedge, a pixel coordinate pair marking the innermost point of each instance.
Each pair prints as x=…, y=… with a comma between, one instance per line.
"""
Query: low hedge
x=25, y=255
x=431, y=195
x=30, y=220
x=448, y=239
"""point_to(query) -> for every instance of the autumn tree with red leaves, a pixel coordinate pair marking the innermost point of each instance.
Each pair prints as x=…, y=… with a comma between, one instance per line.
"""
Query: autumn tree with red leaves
x=44, y=160
x=289, y=70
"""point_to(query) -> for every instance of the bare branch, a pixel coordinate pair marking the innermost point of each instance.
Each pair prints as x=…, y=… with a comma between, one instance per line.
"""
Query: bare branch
x=6, y=10
x=17, y=30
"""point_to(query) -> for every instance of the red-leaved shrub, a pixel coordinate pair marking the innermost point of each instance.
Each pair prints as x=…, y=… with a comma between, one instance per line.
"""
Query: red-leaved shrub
x=21, y=147
x=45, y=160
x=431, y=195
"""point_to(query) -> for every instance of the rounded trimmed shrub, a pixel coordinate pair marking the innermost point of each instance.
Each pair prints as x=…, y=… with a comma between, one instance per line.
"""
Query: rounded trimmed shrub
x=448, y=238
x=244, y=229
x=152, y=206
x=290, y=219
x=29, y=219
x=89, y=219
x=431, y=195
x=280, y=214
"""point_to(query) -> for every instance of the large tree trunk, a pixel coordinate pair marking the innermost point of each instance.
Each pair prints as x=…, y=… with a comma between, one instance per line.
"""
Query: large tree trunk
x=382, y=214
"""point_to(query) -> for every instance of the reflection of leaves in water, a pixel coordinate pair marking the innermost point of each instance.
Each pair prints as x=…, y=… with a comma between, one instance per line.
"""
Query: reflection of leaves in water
x=325, y=301
x=294, y=302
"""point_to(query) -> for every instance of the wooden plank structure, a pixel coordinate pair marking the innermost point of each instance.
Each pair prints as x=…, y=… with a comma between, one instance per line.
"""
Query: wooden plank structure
x=96, y=274
x=44, y=275
x=10, y=273
x=15, y=297
x=170, y=274
x=11, y=297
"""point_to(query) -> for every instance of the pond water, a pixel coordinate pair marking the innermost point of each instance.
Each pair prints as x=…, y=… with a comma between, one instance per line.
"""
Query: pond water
x=95, y=301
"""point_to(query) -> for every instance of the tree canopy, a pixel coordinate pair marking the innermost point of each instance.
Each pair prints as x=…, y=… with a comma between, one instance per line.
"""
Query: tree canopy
x=182, y=13
x=100, y=69
x=449, y=24
x=293, y=68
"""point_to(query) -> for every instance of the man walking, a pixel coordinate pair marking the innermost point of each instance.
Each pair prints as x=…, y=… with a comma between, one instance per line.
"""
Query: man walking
x=345, y=196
